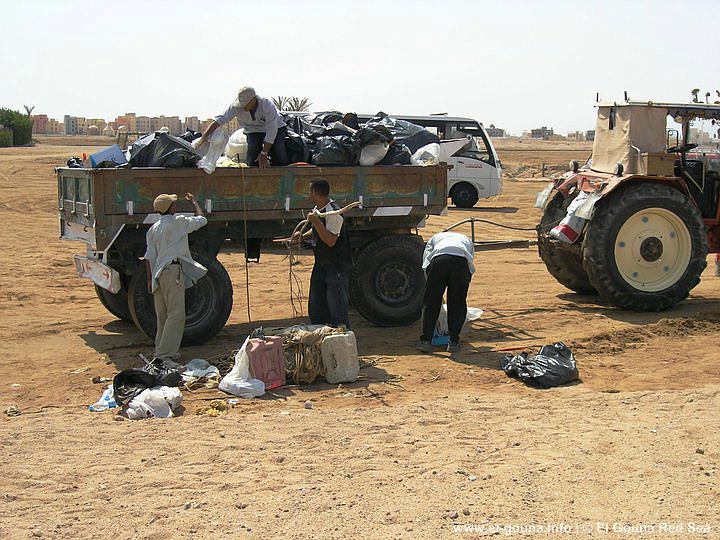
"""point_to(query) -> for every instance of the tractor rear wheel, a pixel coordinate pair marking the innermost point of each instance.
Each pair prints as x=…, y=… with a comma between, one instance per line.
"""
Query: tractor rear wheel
x=117, y=304
x=207, y=304
x=645, y=247
x=565, y=266
x=387, y=282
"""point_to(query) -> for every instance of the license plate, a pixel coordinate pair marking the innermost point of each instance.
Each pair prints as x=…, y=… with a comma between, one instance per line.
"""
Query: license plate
x=100, y=274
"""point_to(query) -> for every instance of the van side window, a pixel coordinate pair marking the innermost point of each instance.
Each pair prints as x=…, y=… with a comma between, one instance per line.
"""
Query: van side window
x=611, y=118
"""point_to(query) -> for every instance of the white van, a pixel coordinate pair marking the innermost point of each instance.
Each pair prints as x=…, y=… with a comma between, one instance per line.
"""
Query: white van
x=475, y=169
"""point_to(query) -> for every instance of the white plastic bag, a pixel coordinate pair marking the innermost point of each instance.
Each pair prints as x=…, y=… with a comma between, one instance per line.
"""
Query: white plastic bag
x=212, y=151
x=236, y=148
x=106, y=401
x=427, y=155
x=569, y=229
x=441, y=327
x=158, y=402
x=372, y=154
x=238, y=382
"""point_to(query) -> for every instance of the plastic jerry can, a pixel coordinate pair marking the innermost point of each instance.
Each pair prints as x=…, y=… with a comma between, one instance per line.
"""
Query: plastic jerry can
x=340, y=358
x=267, y=361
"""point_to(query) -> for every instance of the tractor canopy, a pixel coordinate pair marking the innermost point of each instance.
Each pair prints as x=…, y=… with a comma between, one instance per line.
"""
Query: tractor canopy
x=628, y=133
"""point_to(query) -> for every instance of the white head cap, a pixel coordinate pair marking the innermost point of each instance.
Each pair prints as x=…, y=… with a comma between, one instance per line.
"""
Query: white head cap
x=245, y=96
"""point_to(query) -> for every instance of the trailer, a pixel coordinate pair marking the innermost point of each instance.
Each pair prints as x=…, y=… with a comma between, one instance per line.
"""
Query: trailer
x=110, y=210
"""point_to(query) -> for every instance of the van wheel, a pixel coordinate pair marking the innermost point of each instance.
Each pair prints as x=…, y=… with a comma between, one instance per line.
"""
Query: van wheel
x=207, y=304
x=464, y=195
x=387, y=282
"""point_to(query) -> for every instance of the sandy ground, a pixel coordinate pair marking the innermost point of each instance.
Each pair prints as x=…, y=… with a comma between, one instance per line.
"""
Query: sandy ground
x=423, y=446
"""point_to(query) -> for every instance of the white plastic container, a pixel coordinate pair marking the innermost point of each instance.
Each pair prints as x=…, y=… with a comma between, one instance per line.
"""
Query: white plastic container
x=340, y=358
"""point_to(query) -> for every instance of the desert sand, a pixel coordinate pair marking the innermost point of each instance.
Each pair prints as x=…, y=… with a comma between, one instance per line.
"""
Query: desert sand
x=423, y=446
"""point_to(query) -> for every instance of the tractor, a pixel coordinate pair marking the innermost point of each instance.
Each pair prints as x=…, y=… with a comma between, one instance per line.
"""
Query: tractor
x=646, y=212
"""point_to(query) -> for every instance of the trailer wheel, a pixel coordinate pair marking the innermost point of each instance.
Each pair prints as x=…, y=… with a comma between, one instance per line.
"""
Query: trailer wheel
x=207, y=304
x=387, y=282
x=117, y=304
x=645, y=247
x=564, y=266
x=464, y=195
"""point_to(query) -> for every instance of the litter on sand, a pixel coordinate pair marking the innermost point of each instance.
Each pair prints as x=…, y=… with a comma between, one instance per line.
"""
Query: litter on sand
x=554, y=365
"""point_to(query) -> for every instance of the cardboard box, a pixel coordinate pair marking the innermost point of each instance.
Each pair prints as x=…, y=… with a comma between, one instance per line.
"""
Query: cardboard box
x=658, y=164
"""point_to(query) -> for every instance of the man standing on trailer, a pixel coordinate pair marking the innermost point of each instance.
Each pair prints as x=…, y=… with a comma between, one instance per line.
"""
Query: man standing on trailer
x=171, y=270
x=448, y=264
x=328, y=299
x=264, y=128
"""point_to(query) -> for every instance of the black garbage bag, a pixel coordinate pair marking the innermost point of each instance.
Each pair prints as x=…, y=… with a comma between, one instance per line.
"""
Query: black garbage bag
x=297, y=149
x=554, y=365
x=129, y=383
x=397, y=154
x=190, y=135
x=337, y=150
x=351, y=120
x=75, y=163
x=366, y=135
x=411, y=135
x=337, y=128
x=161, y=149
x=326, y=117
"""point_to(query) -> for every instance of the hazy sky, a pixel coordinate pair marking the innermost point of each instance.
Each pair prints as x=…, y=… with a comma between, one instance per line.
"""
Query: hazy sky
x=512, y=63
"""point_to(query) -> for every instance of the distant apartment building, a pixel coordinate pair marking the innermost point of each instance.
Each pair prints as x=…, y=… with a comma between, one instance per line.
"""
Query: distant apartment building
x=55, y=127
x=143, y=124
x=172, y=123
x=575, y=136
x=590, y=135
x=192, y=123
x=495, y=132
x=126, y=121
x=542, y=133
x=40, y=124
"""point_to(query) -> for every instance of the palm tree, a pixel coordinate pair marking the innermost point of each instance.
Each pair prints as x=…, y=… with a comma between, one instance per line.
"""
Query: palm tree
x=281, y=102
x=299, y=104
x=285, y=103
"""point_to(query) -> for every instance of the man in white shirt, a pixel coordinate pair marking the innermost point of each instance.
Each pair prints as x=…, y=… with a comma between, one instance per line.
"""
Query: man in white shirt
x=264, y=128
x=171, y=270
x=329, y=283
x=448, y=264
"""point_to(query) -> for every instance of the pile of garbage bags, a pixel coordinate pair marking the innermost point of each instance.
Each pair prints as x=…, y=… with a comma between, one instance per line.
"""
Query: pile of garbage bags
x=334, y=138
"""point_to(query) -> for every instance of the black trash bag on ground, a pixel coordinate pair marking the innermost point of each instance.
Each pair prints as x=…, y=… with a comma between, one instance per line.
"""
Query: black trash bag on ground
x=129, y=383
x=411, y=135
x=337, y=150
x=161, y=149
x=297, y=149
x=554, y=365
x=190, y=135
x=397, y=154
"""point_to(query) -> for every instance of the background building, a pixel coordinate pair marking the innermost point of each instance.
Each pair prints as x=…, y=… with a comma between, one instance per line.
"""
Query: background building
x=495, y=132
x=542, y=133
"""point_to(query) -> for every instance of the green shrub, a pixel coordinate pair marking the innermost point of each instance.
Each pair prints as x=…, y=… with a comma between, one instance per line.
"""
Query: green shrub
x=20, y=124
x=6, y=137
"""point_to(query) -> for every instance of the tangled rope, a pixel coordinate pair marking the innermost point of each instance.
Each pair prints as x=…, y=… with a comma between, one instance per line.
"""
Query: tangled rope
x=293, y=242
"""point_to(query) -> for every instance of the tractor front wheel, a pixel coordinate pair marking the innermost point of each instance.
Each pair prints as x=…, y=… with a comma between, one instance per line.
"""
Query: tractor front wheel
x=645, y=247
